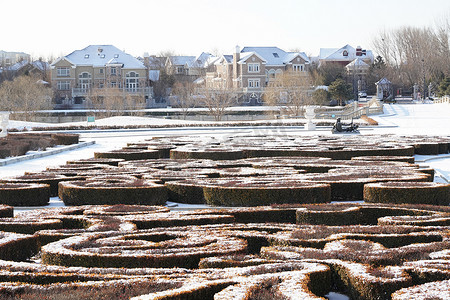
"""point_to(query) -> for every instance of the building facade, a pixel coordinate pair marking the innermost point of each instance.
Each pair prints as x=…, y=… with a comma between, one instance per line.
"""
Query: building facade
x=96, y=70
x=8, y=59
x=251, y=69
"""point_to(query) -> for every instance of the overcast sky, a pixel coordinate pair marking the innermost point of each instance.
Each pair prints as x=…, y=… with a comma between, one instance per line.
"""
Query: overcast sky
x=188, y=27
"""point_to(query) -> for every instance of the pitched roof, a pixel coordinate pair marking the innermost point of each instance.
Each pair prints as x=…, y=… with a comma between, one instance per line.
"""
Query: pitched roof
x=181, y=60
x=100, y=55
x=274, y=56
x=202, y=61
x=357, y=62
x=338, y=53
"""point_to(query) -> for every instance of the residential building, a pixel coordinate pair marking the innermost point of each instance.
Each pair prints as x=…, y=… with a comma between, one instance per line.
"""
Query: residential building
x=38, y=68
x=10, y=58
x=356, y=62
x=252, y=69
x=344, y=55
x=190, y=67
x=94, y=70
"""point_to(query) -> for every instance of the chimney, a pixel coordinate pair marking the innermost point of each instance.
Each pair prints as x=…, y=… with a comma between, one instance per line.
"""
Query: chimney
x=358, y=51
x=236, y=59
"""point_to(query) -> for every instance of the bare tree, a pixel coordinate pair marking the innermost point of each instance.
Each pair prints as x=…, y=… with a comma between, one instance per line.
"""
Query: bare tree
x=25, y=94
x=108, y=101
x=415, y=55
x=218, y=100
x=291, y=91
x=184, y=97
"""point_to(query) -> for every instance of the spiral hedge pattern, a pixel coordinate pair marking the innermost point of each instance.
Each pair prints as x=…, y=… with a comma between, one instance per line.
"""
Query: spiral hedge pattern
x=286, y=252
x=386, y=238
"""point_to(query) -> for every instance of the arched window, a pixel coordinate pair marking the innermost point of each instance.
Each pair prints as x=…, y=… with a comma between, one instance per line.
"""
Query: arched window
x=271, y=73
x=84, y=80
x=132, y=82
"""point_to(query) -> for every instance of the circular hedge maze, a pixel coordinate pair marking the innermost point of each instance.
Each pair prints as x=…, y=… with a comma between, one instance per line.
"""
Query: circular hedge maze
x=285, y=218
x=365, y=251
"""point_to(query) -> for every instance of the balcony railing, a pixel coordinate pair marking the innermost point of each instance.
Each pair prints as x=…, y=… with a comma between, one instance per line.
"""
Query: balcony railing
x=83, y=92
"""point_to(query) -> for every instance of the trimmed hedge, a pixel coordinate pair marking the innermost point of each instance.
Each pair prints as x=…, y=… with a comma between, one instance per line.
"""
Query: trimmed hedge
x=176, y=249
x=408, y=159
x=65, y=138
x=41, y=178
x=29, y=225
x=206, y=153
x=186, y=191
x=130, y=154
x=169, y=220
x=360, y=281
x=24, y=194
x=6, y=211
x=408, y=192
x=17, y=247
x=264, y=192
x=122, y=209
x=439, y=290
x=107, y=161
x=101, y=192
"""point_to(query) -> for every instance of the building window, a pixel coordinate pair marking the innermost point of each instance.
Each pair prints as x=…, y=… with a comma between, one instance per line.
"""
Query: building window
x=298, y=68
x=113, y=84
x=113, y=71
x=84, y=80
x=275, y=55
x=345, y=53
x=253, y=68
x=63, y=72
x=253, y=83
x=100, y=71
x=86, y=56
x=63, y=85
x=180, y=70
x=132, y=82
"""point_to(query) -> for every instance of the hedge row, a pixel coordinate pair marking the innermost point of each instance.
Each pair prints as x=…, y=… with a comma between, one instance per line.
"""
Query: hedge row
x=109, y=244
x=432, y=290
x=408, y=192
x=24, y=194
x=6, y=211
x=338, y=215
x=20, y=144
x=176, y=249
x=141, y=192
x=17, y=247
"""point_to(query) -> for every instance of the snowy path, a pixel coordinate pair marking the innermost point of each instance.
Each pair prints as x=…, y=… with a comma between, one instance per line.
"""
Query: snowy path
x=418, y=119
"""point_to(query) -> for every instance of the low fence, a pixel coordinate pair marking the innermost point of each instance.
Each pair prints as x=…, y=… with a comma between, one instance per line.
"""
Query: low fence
x=445, y=99
x=351, y=111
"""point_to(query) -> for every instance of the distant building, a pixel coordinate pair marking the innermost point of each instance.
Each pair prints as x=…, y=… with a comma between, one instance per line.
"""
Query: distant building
x=95, y=69
x=344, y=55
x=190, y=67
x=8, y=59
x=38, y=68
x=251, y=69
x=356, y=61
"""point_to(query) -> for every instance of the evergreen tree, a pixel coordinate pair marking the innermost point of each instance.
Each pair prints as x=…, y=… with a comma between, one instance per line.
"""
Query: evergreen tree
x=444, y=87
x=340, y=90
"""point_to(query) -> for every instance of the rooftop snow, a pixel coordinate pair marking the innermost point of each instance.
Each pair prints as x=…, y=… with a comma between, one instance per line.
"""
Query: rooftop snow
x=273, y=56
x=100, y=55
